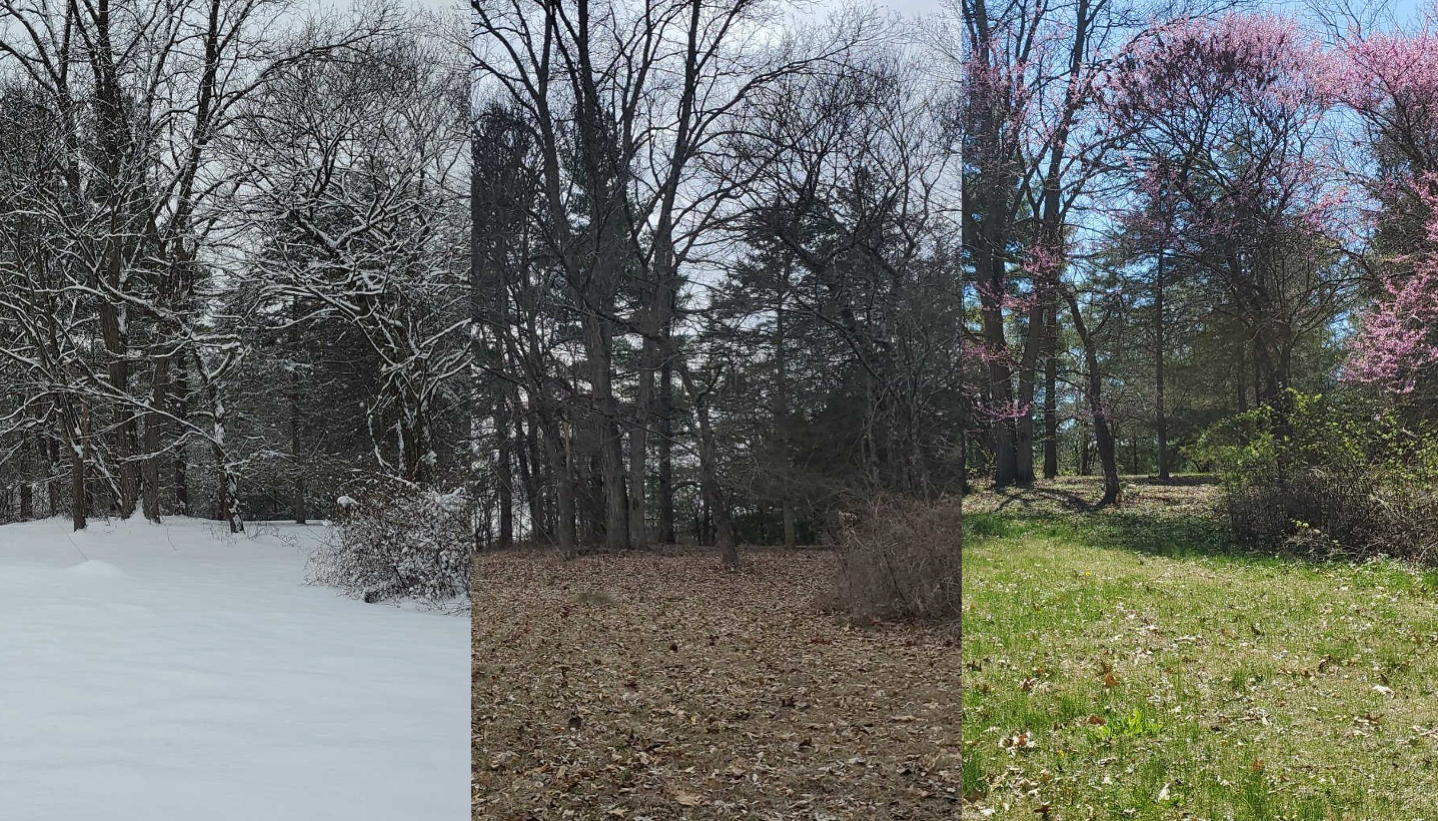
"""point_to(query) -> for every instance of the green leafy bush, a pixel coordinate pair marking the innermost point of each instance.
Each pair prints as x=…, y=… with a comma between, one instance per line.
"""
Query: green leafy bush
x=1335, y=478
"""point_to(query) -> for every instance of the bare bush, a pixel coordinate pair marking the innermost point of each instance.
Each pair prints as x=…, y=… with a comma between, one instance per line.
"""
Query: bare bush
x=899, y=559
x=393, y=540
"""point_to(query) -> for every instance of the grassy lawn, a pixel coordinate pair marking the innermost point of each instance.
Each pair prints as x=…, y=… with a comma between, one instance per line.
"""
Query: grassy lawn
x=1133, y=663
x=657, y=686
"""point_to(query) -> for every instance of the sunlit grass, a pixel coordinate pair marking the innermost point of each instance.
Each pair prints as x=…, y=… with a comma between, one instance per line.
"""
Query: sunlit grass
x=1133, y=664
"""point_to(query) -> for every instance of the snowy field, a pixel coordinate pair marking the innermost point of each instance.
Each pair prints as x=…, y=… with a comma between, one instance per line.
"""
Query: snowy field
x=174, y=673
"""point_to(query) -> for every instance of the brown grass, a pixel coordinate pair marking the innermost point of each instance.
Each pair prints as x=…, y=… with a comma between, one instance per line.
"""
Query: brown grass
x=658, y=686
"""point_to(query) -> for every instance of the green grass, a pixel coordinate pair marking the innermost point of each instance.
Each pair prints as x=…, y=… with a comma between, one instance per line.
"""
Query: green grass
x=1135, y=664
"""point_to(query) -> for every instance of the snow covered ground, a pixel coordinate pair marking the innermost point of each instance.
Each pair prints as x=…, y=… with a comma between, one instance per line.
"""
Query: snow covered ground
x=174, y=672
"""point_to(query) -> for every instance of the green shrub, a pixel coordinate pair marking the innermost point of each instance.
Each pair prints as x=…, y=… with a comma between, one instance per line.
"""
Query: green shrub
x=1333, y=478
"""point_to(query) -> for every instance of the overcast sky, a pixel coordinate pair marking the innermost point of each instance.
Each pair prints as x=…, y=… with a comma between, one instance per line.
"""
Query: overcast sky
x=911, y=7
x=908, y=8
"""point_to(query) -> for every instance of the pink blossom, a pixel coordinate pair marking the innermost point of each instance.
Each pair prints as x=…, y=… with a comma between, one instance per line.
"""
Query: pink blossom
x=1398, y=337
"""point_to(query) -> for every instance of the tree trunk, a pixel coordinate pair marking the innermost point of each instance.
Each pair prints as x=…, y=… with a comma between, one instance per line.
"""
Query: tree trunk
x=598, y=347
x=781, y=411
x=297, y=486
x=963, y=457
x=1257, y=373
x=666, y=454
x=1052, y=241
x=181, y=388
x=992, y=288
x=638, y=466
x=561, y=461
x=506, y=478
x=229, y=491
x=27, y=490
x=531, y=477
x=77, y=482
x=124, y=437
x=52, y=484
x=1028, y=379
x=1095, y=402
x=715, y=498
x=1242, y=389
x=1161, y=417
x=1051, y=379
x=154, y=425
x=227, y=483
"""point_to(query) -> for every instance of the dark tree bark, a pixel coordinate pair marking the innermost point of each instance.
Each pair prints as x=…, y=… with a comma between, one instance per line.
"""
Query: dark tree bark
x=1051, y=379
x=297, y=487
x=1160, y=416
x=27, y=490
x=1028, y=377
x=52, y=484
x=154, y=426
x=79, y=499
x=666, y=454
x=781, y=410
x=1102, y=433
x=561, y=462
x=717, y=503
x=599, y=347
x=181, y=400
x=505, y=478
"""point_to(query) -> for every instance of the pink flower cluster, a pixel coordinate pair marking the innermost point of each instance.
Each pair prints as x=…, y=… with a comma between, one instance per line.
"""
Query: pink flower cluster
x=1396, y=340
x=1390, y=81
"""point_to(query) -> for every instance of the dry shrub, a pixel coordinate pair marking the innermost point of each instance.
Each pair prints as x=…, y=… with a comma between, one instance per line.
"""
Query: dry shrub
x=899, y=559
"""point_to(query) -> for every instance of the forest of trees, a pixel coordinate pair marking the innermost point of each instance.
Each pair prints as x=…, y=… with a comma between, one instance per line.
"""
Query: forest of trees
x=1175, y=215
x=715, y=271
x=721, y=269
x=735, y=266
x=232, y=257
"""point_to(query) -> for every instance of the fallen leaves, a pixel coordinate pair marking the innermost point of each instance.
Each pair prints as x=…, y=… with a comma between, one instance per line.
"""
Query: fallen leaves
x=687, y=799
x=1018, y=742
x=687, y=693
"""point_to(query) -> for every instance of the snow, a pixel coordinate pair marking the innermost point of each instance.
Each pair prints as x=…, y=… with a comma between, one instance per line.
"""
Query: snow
x=95, y=568
x=176, y=672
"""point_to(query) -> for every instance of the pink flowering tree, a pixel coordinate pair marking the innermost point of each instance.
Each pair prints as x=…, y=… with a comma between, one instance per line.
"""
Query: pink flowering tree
x=1397, y=344
x=1222, y=128
x=1030, y=79
x=1390, y=81
x=1005, y=69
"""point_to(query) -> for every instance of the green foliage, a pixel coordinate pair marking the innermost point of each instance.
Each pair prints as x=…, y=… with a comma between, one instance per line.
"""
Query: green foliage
x=1138, y=723
x=1326, y=476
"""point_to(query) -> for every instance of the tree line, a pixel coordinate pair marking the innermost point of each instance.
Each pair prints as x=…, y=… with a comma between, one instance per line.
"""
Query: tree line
x=232, y=253
x=715, y=271
x=1174, y=214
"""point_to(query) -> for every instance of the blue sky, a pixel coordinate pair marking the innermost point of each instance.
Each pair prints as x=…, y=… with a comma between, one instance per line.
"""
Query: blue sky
x=1411, y=9
x=1403, y=10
